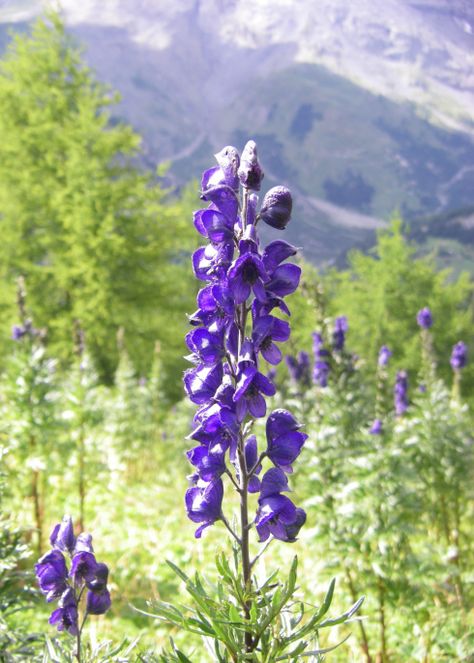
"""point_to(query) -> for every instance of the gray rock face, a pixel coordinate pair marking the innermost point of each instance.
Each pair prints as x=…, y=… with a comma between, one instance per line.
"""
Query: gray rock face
x=361, y=107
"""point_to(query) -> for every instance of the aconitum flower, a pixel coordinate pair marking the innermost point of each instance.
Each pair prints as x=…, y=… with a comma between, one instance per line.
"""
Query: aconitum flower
x=339, y=333
x=401, y=393
x=238, y=327
x=277, y=515
x=284, y=439
x=204, y=504
x=458, y=356
x=384, y=356
x=56, y=582
x=299, y=368
x=276, y=207
x=250, y=172
x=376, y=428
x=321, y=367
x=424, y=318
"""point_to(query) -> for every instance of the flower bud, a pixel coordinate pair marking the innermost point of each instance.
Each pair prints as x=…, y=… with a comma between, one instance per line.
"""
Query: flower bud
x=276, y=207
x=229, y=162
x=250, y=172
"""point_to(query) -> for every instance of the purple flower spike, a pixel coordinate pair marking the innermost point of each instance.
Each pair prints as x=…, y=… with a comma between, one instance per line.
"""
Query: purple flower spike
x=424, y=318
x=204, y=504
x=62, y=537
x=66, y=615
x=284, y=439
x=276, y=207
x=51, y=572
x=401, y=393
x=376, y=428
x=339, y=333
x=458, y=356
x=322, y=367
x=250, y=172
x=384, y=356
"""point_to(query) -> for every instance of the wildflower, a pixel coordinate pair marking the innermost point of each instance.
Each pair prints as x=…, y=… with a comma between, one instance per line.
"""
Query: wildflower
x=376, y=428
x=458, y=356
x=321, y=367
x=384, y=356
x=339, y=333
x=401, y=393
x=86, y=573
x=276, y=207
x=424, y=318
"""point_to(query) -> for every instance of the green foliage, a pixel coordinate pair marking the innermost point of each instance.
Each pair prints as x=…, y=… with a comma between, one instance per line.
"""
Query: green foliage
x=16, y=593
x=81, y=220
x=278, y=625
x=381, y=294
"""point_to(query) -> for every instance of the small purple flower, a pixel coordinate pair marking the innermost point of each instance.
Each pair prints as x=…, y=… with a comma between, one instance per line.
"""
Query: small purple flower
x=401, y=393
x=97, y=603
x=86, y=573
x=249, y=391
x=424, y=318
x=321, y=367
x=51, y=572
x=204, y=504
x=266, y=331
x=277, y=515
x=18, y=331
x=250, y=172
x=458, y=356
x=66, y=615
x=384, y=355
x=284, y=439
x=202, y=382
x=210, y=463
x=276, y=207
x=339, y=333
x=247, y=274
x=376, y=428
x=62, y=537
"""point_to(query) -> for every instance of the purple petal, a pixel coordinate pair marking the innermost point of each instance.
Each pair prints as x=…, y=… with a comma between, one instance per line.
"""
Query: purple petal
x=275, y=253
x=285, y=280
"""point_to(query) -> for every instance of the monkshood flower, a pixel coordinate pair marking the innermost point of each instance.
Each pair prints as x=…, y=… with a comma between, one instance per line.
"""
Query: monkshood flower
x=384, y=356
x=321, y=367
x=458, y=356
x=299, y=368
x=339, y=334
x=376, y=428
x=277, y=515
x=401, y=393
x=237, y=331
x=424, y=318
x=86, y=575
x=276, y=207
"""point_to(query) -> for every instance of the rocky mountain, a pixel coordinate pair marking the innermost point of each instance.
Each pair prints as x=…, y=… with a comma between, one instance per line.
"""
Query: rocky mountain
x=360, y=107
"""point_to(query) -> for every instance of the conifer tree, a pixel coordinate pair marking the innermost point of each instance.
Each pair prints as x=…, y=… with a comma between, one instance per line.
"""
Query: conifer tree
x=87, y=226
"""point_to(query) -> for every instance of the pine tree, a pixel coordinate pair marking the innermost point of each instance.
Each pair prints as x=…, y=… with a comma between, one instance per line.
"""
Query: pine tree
x=81, y=220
